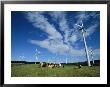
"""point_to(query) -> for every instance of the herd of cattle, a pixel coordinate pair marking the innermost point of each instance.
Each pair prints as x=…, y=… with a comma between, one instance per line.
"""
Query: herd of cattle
x=50, y=65
x=53, y=65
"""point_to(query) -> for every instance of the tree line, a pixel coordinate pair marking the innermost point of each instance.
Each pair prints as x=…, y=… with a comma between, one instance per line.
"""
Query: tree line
x=96, y=63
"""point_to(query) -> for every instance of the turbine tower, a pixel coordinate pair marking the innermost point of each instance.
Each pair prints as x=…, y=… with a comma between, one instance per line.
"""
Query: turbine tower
x=66, y=61
x=36, y=54
x=83, y=33
x=91, y=52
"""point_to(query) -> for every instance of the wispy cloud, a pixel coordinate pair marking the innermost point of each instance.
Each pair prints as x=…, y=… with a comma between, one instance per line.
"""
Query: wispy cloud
x=39, y=21
x=83, y=16
x=91, y=30
x=56, y=42
x=60, y=17
x=58, y=47
x=53, y=46
x=96, y=52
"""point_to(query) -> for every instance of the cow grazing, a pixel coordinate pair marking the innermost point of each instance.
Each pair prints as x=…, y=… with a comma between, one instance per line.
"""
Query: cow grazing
x=50, y=65
x=43, y=64
x=79, y=66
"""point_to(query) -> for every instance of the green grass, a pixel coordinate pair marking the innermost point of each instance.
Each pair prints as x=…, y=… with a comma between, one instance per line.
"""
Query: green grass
x=33, y=70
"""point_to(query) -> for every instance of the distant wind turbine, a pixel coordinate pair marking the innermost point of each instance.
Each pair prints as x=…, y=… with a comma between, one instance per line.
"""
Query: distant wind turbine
x=22, y=58
x=66, y=61
x=36, y=54
x=83, y=33
x=91, y=53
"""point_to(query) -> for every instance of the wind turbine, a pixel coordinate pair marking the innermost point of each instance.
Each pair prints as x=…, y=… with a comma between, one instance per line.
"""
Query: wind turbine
x=57, y=61
x=37, y=52
x=66, y=61
x=83, y=33
x=22, y=58
x=91, y=53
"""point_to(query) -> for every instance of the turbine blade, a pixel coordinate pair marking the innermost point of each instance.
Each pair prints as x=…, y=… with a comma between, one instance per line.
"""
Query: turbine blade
x=78, y=25
x=81, y=23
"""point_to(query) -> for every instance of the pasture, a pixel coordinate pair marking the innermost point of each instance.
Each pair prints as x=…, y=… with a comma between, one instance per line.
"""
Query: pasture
x=34, y=70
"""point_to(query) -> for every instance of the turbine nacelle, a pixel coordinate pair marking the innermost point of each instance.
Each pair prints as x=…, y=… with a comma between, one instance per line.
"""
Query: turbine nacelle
x=81, y=26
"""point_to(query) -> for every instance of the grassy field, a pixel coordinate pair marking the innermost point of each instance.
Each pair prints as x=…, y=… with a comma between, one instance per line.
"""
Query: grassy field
x=33, y=70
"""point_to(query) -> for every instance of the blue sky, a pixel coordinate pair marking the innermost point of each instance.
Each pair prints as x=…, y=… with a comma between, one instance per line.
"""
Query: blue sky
x=53, y=36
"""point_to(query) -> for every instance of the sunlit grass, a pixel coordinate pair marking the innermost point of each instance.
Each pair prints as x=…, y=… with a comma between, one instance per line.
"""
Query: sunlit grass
x=33, y=70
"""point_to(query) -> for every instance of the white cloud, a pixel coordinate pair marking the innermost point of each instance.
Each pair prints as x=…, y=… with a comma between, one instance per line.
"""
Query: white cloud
x=63, y=26
x=39, y=21
x=56, y=42
x=57, y=15
x=82, y=17
x=96, y=51
x=73, y=38
x=53, y=46
x=58, y=47
x=91, y=30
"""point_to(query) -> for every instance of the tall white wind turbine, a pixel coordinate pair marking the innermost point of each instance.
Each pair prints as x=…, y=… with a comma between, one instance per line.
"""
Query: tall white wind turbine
x=81, y=28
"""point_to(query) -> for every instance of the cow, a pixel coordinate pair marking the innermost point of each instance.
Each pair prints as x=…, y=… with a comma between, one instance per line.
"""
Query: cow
x=50, y=65
x=43, y=64
x=79, y=66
